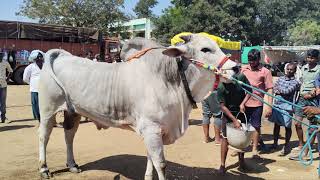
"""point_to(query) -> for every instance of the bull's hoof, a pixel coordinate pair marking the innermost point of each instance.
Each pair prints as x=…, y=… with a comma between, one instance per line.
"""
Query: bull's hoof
x=45, y=174
x=74, y=169
x=148, y=177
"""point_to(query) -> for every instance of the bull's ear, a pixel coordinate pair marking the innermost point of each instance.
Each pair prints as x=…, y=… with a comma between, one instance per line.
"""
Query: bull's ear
x=186, y=38
x=174, y=51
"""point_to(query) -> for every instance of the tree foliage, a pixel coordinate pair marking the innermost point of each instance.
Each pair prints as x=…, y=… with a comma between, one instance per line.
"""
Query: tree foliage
x=225, y=18
x=304, y=33
x=256, y=21
x=277, y=16
x=100, y=14
x=143, y=8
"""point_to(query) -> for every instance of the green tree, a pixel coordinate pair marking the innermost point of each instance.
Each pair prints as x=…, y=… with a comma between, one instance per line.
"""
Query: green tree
x=100, y=14
x=227, y=18
x=304, y=33
x=171, y=23
x=143, y=8
x=274, y=17
x=307, y=9
x=256, y=21
x=277, y=16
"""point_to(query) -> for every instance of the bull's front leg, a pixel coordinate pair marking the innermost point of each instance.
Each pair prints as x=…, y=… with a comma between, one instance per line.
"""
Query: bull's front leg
x=154, y=144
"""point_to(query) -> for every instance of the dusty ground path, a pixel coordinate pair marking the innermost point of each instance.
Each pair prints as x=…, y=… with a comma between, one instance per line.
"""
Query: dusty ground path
x=120, y=154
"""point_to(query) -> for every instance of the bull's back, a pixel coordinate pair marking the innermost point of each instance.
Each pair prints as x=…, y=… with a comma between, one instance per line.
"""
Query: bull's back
x=108, y=90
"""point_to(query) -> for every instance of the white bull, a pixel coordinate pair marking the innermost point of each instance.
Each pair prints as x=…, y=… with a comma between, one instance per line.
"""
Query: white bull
x=145, y=95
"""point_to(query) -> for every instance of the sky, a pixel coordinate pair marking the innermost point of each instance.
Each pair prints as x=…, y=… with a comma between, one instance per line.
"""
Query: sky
x=10, y=7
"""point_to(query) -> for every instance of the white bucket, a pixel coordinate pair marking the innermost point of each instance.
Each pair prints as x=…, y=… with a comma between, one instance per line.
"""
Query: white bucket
x=239, y=138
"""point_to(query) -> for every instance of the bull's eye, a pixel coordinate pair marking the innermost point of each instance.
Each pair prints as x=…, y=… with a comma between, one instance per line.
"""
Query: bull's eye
x=205, y=50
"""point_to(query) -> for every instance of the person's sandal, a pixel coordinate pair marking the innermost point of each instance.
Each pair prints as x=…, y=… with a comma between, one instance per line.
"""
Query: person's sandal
x=296, y=157
x=296, y=149
x=255, y=154
x=207, y=140
x=222, y=170
x=218, y=143
x=234, y=154
x=285, y=151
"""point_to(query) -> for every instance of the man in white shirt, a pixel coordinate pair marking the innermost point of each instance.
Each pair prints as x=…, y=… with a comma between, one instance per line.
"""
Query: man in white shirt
x=31, y=76
x=4, y=67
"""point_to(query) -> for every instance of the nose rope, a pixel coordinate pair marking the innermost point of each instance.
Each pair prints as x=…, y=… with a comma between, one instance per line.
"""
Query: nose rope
x=205, y=66
x=217, y=81
x=215, y=69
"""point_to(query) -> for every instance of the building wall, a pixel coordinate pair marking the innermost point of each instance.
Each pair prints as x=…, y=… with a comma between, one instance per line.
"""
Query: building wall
x=137, y=26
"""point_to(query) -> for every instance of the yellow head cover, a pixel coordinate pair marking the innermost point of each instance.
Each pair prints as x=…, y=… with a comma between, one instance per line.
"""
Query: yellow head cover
x=231, y=45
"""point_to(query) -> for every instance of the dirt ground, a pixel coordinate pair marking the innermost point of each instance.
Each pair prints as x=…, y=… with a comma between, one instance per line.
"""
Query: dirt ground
x=120, y=154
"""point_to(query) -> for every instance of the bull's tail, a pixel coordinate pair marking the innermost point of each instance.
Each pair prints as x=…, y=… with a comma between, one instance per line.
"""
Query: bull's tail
x=50, y=57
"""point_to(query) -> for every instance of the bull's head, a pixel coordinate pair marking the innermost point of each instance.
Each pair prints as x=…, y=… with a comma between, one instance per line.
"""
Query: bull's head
x=205, y=50
x=201, y=49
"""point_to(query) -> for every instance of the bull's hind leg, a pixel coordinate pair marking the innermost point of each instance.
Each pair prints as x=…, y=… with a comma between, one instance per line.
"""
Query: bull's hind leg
x=148, y=175
x=154, y=144
x=70, y=125
x=45, y=129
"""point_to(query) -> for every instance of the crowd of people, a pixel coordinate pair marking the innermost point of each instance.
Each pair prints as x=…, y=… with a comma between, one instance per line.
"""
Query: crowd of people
x=108, y=58
x=230, y=102
x=227, y=101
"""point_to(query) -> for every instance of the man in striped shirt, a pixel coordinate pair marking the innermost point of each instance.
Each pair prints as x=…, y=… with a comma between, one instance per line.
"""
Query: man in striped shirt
x=285, y=87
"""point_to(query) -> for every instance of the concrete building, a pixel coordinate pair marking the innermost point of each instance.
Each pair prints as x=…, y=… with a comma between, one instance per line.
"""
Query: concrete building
x=139, y=28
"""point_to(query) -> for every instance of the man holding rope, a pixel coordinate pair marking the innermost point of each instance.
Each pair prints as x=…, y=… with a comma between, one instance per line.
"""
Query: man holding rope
x=310, y=71
x=232, y=99
x=311, y=111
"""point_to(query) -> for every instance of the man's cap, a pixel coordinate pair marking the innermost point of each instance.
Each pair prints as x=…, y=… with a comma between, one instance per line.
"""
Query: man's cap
x=35, y=54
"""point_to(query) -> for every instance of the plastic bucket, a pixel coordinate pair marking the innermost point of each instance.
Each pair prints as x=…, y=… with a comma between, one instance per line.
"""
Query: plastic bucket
x=239, y=138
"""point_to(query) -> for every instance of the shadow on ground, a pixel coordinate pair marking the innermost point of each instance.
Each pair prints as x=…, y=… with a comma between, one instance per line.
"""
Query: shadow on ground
x=18, y=106
x=269, y=137
x=133, y=167
x=270, y=150
x=21, y=120
x=15, y=127
x=196, y=122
